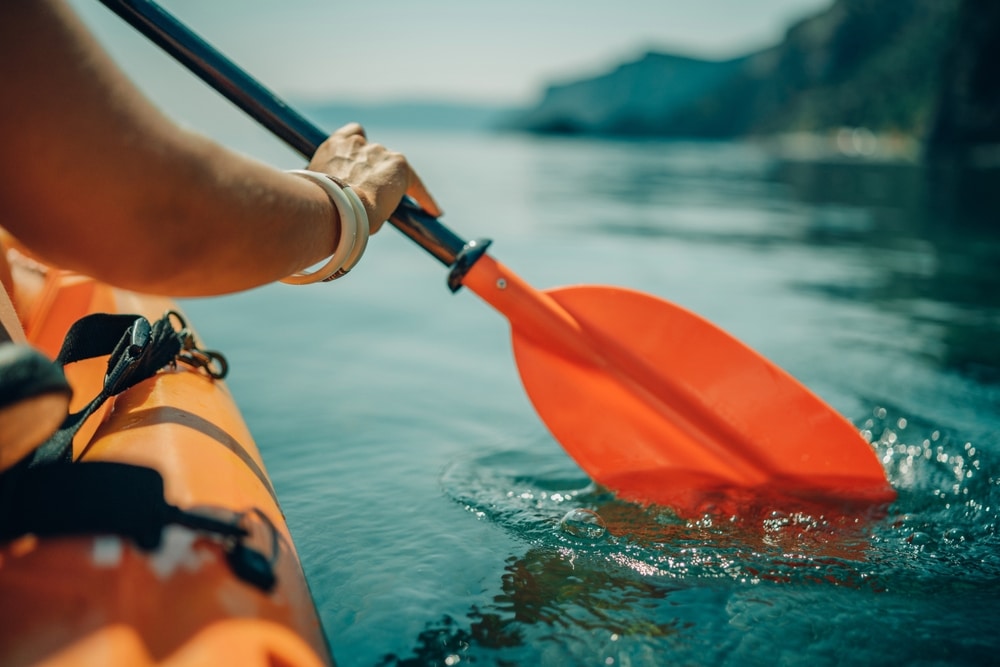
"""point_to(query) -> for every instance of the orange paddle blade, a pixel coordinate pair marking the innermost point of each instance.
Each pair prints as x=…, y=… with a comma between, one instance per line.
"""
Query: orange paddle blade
x=659, y=405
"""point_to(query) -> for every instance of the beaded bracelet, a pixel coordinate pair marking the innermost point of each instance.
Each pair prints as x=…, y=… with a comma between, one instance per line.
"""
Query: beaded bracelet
x=353, y=230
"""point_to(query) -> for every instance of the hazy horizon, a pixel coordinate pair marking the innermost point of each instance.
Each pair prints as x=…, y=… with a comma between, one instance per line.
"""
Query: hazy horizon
x=446, y=50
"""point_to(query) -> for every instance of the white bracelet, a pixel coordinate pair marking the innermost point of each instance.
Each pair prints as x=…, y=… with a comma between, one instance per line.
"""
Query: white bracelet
x=363, y=226
x=353, y=230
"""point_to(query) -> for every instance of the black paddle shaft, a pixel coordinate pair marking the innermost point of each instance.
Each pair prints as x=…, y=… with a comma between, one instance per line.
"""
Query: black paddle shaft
x=266, y=108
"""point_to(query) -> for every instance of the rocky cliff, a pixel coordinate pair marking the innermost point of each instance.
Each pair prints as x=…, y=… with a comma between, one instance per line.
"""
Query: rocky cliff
x=968, y=111
x=925, y=69
x=632, y=99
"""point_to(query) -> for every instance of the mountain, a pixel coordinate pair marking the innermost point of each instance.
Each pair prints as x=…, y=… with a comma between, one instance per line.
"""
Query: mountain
x=924, y=69
x=859, y=63
x=629, y=100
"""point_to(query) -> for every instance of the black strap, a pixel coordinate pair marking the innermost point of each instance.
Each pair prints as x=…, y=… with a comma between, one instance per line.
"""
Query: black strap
x=138, y=350
x=88, y=498
x=104, y=497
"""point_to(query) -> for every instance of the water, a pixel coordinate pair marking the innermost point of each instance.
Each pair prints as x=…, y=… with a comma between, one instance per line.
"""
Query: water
x=437, y=521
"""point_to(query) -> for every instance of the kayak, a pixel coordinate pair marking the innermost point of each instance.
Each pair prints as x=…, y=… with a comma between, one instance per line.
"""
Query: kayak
x=103, y=599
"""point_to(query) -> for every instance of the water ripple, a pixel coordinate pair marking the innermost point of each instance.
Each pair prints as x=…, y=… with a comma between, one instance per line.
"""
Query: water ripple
x=939, y=541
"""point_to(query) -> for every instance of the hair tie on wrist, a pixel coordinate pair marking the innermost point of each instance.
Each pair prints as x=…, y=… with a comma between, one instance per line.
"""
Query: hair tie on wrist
x=354, y=230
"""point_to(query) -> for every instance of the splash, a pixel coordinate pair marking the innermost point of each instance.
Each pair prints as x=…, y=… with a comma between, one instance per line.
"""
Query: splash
x=558, y=508
x=946, y=516
x=945, y=520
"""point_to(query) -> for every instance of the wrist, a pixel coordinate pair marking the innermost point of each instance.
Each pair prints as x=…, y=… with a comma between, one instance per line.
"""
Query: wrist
x=351, y=238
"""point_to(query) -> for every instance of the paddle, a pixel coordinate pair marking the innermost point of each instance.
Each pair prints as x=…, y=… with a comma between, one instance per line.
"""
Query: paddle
x=652, y=401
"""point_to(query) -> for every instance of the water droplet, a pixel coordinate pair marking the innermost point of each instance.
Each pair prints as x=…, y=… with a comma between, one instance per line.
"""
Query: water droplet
x=956, y=536
x=583, y=523
x=919, y=539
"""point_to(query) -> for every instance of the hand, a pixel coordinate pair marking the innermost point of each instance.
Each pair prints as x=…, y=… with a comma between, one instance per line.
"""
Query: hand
x=379, y=176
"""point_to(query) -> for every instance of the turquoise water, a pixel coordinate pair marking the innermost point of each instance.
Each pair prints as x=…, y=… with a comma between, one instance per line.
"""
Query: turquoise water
x=428, y=501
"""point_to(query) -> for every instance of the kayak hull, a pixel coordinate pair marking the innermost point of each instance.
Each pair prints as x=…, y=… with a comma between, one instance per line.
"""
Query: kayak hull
x=101, y=600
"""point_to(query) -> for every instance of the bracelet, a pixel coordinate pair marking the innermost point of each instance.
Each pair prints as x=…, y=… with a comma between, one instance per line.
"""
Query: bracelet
x=361, y=241
x=353, y=230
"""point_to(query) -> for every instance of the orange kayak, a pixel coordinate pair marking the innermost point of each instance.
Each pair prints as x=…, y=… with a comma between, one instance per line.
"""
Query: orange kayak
x=103, y=600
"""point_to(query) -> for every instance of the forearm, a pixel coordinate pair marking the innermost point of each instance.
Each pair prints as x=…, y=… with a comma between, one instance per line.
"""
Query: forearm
x=97, y=180
x=216, y=222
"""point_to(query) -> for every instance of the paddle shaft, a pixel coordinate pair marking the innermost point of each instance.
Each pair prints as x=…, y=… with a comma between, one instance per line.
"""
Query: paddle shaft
x=300, y=134
x=269, y=110
x=266, y=108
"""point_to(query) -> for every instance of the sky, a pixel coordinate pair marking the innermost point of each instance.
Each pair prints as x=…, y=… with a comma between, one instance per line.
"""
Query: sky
x=464, y=51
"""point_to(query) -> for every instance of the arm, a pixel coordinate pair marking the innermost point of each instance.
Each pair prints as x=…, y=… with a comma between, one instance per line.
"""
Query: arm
x=97, y=180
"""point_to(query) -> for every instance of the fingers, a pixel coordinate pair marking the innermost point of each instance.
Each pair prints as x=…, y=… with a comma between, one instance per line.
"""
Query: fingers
x=351, y=129
x=380, y=177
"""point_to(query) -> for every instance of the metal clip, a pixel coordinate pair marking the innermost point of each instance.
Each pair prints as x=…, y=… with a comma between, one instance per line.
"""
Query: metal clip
x=211, y=361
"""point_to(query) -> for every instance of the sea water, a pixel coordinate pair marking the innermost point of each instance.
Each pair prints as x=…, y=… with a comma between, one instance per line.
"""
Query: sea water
x=439, y=523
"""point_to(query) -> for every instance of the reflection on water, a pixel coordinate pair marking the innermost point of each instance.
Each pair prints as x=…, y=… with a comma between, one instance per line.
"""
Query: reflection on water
x=932, y=236
x=925, y=239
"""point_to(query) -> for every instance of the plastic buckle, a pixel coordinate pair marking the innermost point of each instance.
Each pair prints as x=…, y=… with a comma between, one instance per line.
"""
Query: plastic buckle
x=127, y=355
